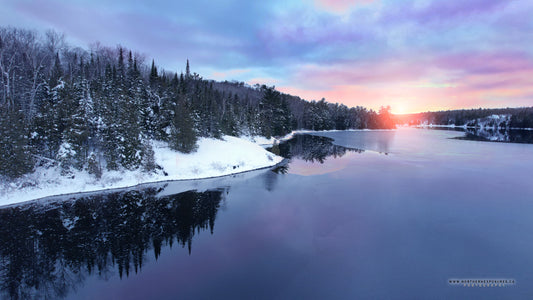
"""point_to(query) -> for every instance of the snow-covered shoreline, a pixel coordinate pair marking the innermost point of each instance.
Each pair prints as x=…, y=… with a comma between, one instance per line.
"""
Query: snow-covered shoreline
x=214, y=158
x=465, y=127
x=499, y=122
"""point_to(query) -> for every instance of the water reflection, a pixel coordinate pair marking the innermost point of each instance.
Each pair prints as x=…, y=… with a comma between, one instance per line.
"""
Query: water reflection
x=311, y=148
x=48, y=249
x=492, y=135
x=501, y=135
x=369, y=140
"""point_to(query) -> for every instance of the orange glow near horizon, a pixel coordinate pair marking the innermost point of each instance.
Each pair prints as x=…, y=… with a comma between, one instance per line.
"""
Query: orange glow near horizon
x=414, y=96
x=415, y=100
x=425, y=83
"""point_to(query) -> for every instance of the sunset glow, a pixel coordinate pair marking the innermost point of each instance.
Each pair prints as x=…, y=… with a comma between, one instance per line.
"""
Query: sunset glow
x=413, y=55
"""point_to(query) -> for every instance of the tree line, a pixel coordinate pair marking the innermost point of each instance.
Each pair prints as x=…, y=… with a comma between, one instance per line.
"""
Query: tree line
x=99, y=109
x=521, y=117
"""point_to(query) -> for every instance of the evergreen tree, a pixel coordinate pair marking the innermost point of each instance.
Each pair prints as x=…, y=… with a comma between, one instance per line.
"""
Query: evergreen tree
x=109, y=115
x=80, y=132
x=128, y=129
x=229, y=122
x=275, y=116
x=15, y=153
x=154, y=77
x=148, y=157
x=66, y=158
x=56, y=72
x=182, y=136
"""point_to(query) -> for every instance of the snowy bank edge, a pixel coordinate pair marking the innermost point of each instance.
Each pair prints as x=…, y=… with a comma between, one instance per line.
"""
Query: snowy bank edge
x=33, y=193
x=67, y=196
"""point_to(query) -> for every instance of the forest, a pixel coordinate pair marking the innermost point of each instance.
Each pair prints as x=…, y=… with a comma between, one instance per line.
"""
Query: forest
x=99, y=109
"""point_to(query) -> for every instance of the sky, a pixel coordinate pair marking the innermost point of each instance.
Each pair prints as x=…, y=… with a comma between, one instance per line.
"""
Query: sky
x=414, y=55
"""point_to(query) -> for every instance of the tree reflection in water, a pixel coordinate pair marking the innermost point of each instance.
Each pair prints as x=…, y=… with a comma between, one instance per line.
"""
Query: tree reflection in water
x=311, y=148
x=499, y=135
x=490, y=134
x=47, y=249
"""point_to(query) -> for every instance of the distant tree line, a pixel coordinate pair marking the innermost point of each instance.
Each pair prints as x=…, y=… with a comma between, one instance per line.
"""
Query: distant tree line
x=519, y=117
x=100, y=108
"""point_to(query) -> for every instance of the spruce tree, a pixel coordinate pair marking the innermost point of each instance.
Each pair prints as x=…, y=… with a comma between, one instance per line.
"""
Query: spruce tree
x=187, y=70
x=148, y=157
x=127, y=120
x=275, y=116
x=183, y=136
x=16, y=158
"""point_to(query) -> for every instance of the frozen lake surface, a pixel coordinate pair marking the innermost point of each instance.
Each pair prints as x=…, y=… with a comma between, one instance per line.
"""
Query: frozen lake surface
x=375, y=215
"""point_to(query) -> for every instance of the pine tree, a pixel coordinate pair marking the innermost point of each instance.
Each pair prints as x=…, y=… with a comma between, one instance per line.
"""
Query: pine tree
x=182, y=135
x=275, y=117
x=56, y=72
x=128, y=129
x=15, y=153
x=83, y=125
x=109, y=113
x=229, y=123
x=66, y=158
x=154, y=77
x=148, y=157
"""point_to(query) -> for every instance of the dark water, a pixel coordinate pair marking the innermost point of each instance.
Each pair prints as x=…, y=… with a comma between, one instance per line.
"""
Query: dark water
x=499, y=135
x=376, y=215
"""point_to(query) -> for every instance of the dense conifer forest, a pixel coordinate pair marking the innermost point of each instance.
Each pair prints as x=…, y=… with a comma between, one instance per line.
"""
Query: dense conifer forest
x=100, y=108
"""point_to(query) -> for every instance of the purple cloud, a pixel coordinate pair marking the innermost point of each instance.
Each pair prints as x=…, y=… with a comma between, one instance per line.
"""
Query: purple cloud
x=486, y=63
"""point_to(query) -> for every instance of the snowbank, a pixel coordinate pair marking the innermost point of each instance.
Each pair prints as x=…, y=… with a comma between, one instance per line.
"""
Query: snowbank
x=213, y=158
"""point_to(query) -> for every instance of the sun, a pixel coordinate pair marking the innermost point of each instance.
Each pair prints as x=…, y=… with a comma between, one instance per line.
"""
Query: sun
x=399, y=109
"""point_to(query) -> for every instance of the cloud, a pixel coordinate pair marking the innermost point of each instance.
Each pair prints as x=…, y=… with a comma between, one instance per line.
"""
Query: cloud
x=340, y=6
x=179, y=31
x=438, y=82
x=488, y=62
x=228, y=75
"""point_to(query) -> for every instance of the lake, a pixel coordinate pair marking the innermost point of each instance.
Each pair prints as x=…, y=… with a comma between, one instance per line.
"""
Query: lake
x=352, y=214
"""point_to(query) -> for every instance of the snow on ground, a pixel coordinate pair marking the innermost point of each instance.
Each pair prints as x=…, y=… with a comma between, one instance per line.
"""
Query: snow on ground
x=213, y=158
x=264, y=142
